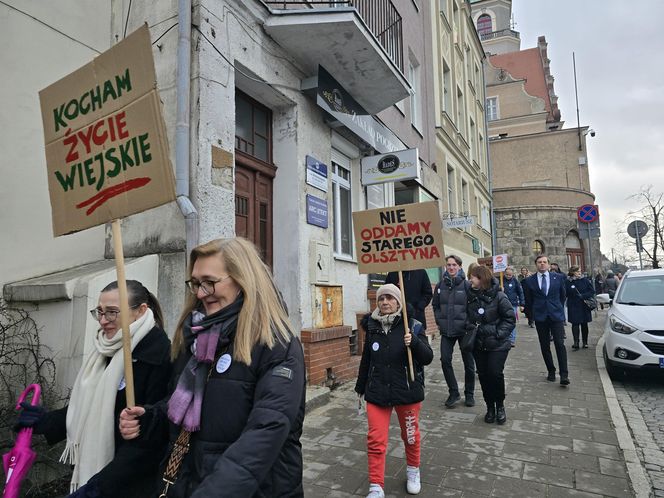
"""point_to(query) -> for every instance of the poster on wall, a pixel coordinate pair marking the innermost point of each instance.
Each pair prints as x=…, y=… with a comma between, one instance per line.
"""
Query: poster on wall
x=106, y=149
x=404, y=237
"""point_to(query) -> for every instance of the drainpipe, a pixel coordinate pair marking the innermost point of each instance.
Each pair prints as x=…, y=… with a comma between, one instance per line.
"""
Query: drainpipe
x=494, y=243
x=182, y=140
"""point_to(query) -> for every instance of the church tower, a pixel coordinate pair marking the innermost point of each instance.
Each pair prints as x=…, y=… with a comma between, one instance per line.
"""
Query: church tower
x=493, y=20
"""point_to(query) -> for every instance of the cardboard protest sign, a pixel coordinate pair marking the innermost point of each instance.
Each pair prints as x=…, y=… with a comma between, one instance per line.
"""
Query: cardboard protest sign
x=405, y=237
x=106, y=149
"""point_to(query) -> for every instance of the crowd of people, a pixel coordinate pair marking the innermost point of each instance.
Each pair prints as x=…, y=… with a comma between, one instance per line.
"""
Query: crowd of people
x=219, y=411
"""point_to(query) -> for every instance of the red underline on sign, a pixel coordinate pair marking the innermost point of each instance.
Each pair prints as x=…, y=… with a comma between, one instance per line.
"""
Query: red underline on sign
x=101, y=197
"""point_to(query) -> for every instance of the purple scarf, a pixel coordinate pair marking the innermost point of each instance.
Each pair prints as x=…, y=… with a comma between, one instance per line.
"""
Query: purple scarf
x=203, y=336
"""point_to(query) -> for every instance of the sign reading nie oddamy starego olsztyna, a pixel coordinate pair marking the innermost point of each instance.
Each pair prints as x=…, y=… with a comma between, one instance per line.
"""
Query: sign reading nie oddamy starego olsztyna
x=404, y=237
x=106, y=149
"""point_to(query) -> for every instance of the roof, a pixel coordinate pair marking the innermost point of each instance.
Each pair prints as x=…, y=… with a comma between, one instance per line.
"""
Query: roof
x=529, y=65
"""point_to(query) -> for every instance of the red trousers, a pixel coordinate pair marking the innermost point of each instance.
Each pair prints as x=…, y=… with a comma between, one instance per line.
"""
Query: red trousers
x=379, y=425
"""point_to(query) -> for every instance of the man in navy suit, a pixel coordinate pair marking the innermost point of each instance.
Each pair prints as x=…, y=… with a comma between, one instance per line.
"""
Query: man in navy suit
x=545, y=297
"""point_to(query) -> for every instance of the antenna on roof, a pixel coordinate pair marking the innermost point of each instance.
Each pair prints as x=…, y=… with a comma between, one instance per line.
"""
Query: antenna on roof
x=576, y=96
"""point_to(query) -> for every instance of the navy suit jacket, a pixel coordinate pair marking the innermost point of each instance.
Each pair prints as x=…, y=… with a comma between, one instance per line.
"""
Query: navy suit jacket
x=549, y=306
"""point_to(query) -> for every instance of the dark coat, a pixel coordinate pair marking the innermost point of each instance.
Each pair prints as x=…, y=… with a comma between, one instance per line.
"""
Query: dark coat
x=549, y=306
x=611, y=285
x=418, y=291
x=449, y=305
x=383, y=373
x=599, y=284
x=493, y=312
x=514, y=292
x=251, y=422
x=577, y=290
x=133, y=470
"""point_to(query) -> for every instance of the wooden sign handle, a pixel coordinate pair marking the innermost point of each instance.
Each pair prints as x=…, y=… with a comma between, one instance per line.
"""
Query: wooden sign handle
x=411, y=371
x=124, y=312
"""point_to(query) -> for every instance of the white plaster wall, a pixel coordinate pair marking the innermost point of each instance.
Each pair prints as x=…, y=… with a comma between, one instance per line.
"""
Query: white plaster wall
x=33, y=57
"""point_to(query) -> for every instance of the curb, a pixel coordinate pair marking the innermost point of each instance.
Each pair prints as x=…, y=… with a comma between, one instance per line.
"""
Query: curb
x=316, y=396
x=635, y=469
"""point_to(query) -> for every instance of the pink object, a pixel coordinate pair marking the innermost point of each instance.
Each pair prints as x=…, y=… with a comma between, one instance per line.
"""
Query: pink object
x=19, y=459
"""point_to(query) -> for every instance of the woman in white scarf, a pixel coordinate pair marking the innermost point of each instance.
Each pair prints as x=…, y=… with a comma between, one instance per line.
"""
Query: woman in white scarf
x=105, y=464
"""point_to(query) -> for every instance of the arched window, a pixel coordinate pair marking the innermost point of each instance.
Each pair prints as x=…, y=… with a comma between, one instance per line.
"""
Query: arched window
x=538, y=247
x=484, y=24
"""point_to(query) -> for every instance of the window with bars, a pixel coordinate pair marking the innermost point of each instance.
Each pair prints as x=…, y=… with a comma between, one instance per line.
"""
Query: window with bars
x=253, y=127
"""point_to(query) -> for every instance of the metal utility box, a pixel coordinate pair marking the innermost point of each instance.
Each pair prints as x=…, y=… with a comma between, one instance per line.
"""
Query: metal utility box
x=328, y=301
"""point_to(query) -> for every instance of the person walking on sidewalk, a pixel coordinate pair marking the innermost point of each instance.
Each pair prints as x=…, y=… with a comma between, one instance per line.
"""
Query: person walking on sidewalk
x=545, y=298
x=492, y=313
x=383, y=380
x=514, y=292
x=578, y=288
x=449, y=307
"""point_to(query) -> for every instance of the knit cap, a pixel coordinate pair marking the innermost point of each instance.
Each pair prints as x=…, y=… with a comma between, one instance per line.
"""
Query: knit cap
x=391, y=290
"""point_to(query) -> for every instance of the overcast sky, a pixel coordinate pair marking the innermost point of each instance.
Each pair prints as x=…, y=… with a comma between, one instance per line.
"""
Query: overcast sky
x=620, y=75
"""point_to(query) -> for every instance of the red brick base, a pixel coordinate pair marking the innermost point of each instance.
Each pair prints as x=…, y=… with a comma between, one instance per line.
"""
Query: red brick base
x=329, y=348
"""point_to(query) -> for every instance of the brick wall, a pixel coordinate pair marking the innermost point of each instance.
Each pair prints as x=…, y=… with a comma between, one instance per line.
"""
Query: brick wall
x=329, y=348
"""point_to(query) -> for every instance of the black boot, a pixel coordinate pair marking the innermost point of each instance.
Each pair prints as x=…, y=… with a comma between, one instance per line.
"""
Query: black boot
x=575, y=345
x=501, y=417
x=490, y=416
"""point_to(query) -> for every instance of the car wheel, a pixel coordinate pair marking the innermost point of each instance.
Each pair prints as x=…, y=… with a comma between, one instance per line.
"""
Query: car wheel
x=615, y=373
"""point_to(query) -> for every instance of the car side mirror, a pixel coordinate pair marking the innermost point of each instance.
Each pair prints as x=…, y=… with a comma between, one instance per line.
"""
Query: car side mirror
x=610, y=302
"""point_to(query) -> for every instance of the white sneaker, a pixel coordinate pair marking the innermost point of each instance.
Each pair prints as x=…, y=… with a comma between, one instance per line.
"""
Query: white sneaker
x=413, y=485
x=375, y=491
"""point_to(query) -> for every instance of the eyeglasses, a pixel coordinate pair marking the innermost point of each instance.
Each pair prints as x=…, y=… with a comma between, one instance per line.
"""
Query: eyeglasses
x=110, y=315
x=207, y=285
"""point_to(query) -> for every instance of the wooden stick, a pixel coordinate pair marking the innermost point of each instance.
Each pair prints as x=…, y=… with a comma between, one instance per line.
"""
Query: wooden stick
x=124, y=312
x=411, y=371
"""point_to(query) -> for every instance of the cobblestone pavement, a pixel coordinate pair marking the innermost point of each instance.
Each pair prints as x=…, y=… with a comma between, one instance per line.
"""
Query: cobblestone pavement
x=641, y=398
x=557, y=442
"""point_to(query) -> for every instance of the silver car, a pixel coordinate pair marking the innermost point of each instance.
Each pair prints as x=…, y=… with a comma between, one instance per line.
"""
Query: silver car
x=634, y=329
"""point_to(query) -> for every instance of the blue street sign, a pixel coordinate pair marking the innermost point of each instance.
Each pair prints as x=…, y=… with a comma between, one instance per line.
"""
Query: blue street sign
x=587, y=213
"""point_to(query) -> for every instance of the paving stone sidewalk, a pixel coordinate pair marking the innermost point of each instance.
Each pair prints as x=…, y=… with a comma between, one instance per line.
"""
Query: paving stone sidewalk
x=557, y=441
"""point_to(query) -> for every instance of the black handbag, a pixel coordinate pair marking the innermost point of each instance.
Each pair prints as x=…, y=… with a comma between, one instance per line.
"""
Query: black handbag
x=467, y=343
x=590, y=302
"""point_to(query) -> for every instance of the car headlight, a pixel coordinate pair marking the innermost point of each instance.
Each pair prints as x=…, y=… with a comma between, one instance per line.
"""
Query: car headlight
x=620, y=327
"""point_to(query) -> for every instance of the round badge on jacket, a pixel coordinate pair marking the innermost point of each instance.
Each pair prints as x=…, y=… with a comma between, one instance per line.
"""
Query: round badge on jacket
x=223, y=363
x=480, y=311
x=122, y=384
x=375, y=346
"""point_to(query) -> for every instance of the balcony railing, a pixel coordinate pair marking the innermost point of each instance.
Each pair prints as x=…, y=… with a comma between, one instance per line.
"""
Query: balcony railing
x=496, y=34
x=380, y=16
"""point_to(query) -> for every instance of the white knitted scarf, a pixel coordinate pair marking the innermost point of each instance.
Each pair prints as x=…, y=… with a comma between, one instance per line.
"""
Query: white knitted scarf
x=91, y=413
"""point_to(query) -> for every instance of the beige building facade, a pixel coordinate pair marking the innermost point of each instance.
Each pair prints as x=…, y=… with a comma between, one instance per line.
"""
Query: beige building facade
x=460, y=129
x=540, y=168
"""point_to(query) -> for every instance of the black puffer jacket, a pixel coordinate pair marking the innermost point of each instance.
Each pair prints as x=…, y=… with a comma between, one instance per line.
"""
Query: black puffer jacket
x=493, y=311
x=251, y=422
x=383, y=374
x=449, y=304
x=133, y=470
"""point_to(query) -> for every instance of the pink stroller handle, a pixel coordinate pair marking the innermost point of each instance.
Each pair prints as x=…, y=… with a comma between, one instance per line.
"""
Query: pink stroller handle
x=36, y=392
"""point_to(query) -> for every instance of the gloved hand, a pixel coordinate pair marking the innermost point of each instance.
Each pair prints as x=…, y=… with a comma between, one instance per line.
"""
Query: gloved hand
x=89, y=490
x=30, y=415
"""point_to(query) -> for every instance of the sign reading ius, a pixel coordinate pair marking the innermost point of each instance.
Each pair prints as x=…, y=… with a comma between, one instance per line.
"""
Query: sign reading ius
x=391, y=167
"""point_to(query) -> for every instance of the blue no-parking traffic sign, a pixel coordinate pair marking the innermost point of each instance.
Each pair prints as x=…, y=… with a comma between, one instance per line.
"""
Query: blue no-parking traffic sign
x=587, y=213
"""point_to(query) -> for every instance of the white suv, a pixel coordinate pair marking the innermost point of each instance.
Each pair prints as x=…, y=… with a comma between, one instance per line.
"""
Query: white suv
x=634, y=329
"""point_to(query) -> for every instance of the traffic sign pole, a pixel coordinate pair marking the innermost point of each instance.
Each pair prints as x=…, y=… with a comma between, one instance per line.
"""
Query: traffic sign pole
x=638, y=245
x=590, y=257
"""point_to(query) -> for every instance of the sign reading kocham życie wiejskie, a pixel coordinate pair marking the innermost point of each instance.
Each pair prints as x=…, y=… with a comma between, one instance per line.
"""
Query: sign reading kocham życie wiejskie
x=404, y=237
x=106, y=149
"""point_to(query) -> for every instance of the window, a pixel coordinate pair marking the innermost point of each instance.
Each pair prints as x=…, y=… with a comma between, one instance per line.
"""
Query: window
x=444, y=9
x=477, y=80
x=447, y=89
x=461, y=112
x=485, y=218
x=473, y=143
x=465, y=208
x=492, y=108
x=451, y=202
x=414, y=79
x=376, y=196
x=342, y=207
x=484, y=24
x=538, y=247
x=253, y=127
x=480, y=152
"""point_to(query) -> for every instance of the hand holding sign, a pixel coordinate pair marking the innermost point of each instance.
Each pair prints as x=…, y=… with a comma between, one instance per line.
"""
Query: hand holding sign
x=405, y=237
